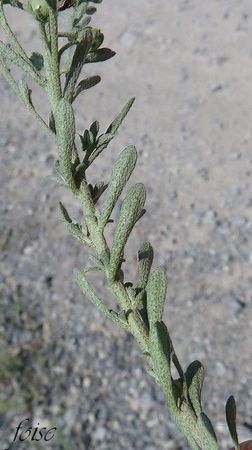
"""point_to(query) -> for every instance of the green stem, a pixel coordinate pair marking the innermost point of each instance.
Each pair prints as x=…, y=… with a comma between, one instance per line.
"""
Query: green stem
x=55, y=74
x=90, y=218
x=51, y=60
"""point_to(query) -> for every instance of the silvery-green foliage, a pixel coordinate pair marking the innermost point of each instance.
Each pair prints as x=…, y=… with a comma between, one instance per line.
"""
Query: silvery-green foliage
x=194, y=376
x=131, y=210
x=231, y=421
x=145, y=260
x=156, y=295
x=58, y=71
x=121, y=172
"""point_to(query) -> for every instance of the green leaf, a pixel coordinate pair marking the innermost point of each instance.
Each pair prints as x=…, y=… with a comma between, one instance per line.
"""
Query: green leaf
x=65, y=128
x=62, y=50
x=97, y=190
x=231, y=421
x=88, y=141
x=86, y=84
x=64, y=213
x=145, y=259
x=130, y=211
x=99, y=55
x=156, y=295
x=105, y=138
x=97, y=40
x=37, y=60
x=94, y=128
x=77, y=232
x=121, y=172
x=88, y=291
x=78, y=60
x=91, y=10
x=194, y=377
x=78, y=14
x=113, y=127
x=207, y=433
x=52, y=4
x=161, y=354
x=14, y=3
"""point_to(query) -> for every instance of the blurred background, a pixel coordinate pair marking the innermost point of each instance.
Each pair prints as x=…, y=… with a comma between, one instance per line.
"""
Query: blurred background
x=189, y=64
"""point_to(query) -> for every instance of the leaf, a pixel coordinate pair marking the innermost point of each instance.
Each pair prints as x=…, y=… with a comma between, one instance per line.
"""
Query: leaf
x=121, y=172
x=194, y=377
x=63, y=49
x=98, y=38
x=101, y=144
x=207, y=432
x=145, y=259
x=78, y=14
x=77, y=63
x=231, y=421
x=88, y=291
x=75, y=228
x=86, y=84
x=76, y=231
x=161, y=354
x=113, y=127
x=156, y=295
x=94, y=128
x=131, y=208
x=91, y=10
x=65, y=128
x=105, y=138
x=37, y=60
x=88, y=141
x=97, y=190
x=84, y=22
x=64, y=213
x=14, y=3
x=99, y=55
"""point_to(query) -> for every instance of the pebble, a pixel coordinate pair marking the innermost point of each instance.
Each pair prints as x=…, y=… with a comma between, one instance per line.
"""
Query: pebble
x=99, y=434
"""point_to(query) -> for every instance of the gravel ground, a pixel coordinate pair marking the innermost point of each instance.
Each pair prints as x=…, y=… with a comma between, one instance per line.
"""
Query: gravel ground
x=190, y=65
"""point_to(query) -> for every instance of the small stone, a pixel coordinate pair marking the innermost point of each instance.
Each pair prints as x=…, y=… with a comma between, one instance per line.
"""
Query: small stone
x=220, y=368
x=99, y=434
x=87, y=382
